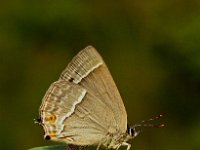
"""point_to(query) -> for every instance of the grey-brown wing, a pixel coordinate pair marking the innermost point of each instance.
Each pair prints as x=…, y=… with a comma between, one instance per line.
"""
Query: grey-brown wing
x=70, y=114
x=90, y=123
x=88, y=69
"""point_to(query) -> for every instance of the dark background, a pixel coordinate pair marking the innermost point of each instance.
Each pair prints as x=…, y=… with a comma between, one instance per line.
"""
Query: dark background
x=152, y=49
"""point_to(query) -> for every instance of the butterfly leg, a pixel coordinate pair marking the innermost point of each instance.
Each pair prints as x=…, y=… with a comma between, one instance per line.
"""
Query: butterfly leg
x=118, y=146
x=127, y=144
x=98, y=147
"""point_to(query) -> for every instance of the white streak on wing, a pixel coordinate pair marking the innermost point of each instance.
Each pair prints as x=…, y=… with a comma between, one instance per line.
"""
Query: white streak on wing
x=72, y=109
x=76, y=102
x=85, y=75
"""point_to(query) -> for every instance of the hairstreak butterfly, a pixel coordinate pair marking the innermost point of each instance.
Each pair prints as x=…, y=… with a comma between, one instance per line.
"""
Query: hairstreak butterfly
x=84, y=107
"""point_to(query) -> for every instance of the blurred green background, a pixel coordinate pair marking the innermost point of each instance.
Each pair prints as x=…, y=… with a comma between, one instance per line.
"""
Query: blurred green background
x=152, y=49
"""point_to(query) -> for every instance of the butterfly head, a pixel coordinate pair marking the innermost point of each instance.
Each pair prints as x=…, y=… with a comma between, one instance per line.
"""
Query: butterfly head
x=133, y=131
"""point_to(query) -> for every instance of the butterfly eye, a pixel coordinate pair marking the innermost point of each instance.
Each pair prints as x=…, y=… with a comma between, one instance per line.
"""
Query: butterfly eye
x=132, y=131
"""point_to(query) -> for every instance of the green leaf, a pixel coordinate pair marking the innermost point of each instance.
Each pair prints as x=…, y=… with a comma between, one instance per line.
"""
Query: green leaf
x=54, y=147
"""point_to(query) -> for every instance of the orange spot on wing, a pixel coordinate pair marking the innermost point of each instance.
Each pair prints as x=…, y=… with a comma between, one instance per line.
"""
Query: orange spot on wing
x=51, y=118
x=52, y=135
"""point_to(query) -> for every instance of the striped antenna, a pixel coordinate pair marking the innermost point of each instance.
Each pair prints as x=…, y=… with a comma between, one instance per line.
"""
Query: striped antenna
x=146, y=123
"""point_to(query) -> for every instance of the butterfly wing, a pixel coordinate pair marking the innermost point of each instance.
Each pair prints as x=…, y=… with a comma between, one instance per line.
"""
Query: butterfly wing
x=88, y=69
x=66, y=115
x=84, y=101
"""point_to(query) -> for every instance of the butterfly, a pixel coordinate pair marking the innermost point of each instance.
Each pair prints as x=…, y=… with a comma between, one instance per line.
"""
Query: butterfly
x=84, y=107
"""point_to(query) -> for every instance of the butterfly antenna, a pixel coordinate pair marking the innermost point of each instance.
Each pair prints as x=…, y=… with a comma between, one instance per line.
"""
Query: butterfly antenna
x=146, y=123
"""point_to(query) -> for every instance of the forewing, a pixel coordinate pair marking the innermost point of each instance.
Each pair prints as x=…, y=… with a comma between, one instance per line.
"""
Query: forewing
x=88, y=69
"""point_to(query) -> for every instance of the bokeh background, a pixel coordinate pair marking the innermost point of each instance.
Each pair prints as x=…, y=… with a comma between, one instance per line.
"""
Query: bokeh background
x=152, y=49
